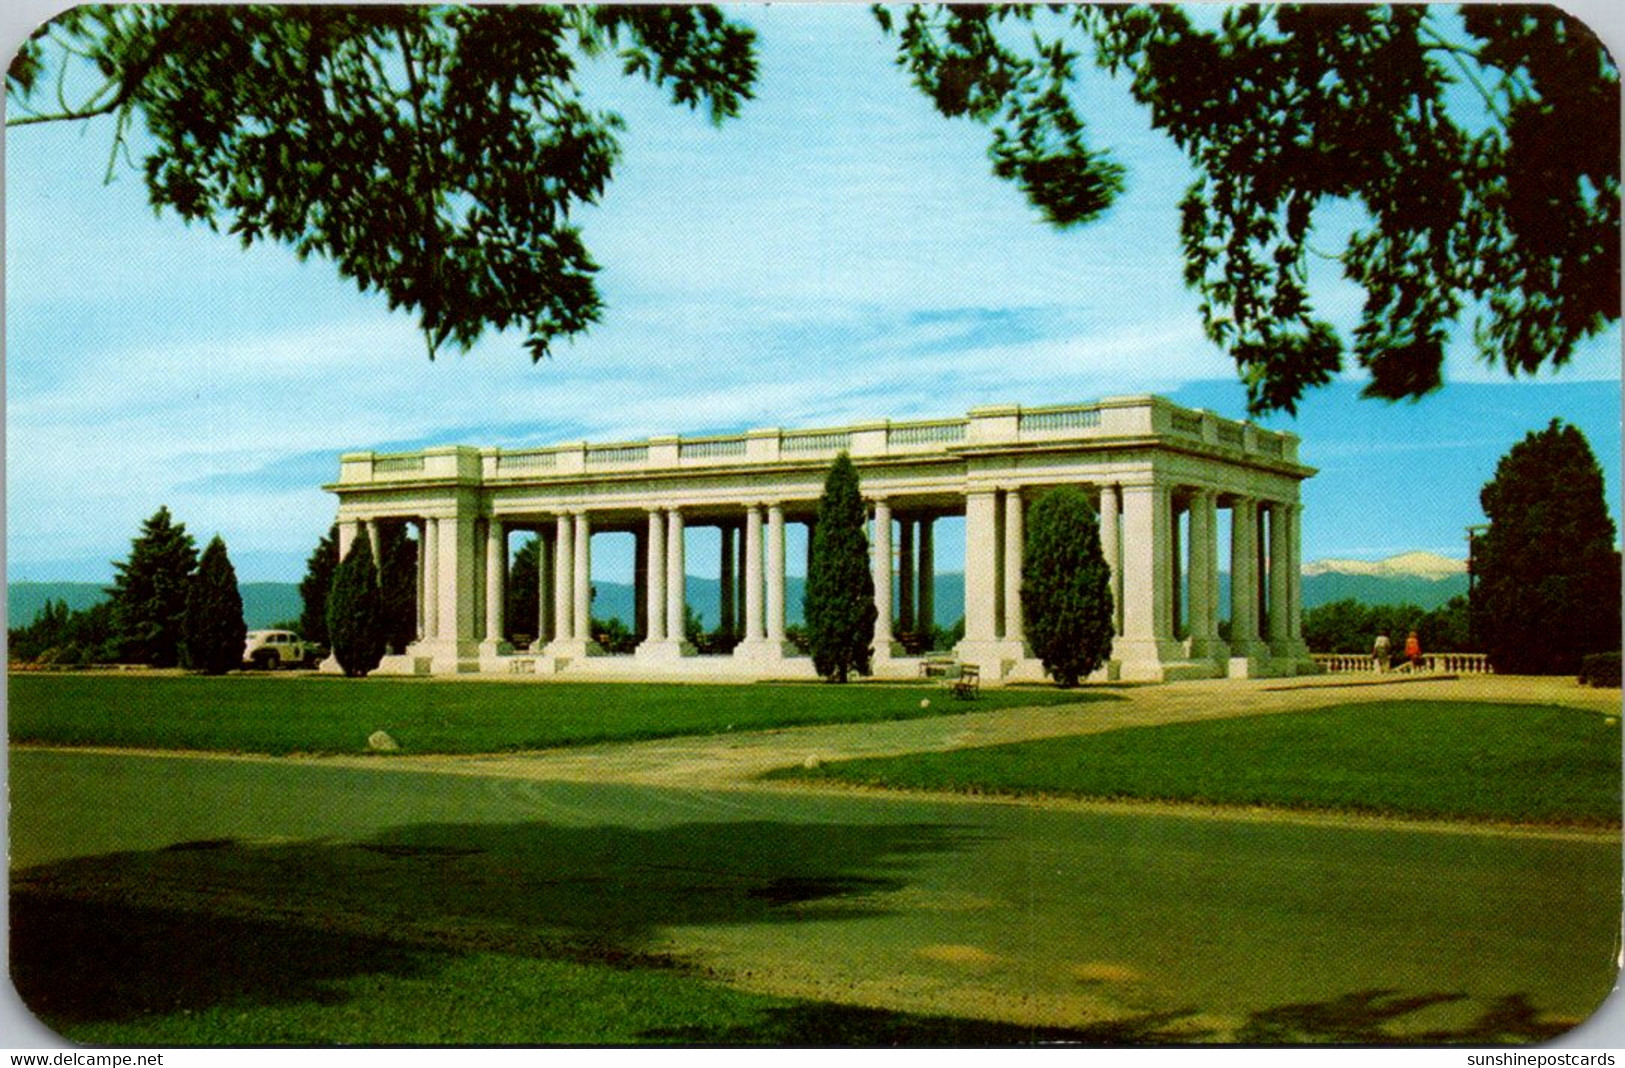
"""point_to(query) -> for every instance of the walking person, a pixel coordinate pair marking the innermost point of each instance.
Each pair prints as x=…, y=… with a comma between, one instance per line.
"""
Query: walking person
x=1381, y=654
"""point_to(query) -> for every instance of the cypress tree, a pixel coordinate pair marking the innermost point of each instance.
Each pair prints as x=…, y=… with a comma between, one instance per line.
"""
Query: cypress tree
x=398, y=586
x=355, y=612
x=524, y=590
x=840, y=599
x=149, y=592
x=313, y=588
x=1066, y=592
x=213, y=631
x=1546, y=573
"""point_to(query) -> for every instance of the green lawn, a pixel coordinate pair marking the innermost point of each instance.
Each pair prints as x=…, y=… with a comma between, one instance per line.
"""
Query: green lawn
x=1536, y=764
x=120, y=975
x=321, y=714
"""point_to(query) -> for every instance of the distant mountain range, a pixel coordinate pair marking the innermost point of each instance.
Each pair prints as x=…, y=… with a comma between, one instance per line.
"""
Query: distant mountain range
x=1422, y=579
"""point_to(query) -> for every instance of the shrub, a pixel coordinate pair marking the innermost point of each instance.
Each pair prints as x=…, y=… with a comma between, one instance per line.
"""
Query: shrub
x=1600, y=669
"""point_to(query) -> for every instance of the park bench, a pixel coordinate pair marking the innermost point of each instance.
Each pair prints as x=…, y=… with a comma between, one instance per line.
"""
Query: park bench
x=968, y=683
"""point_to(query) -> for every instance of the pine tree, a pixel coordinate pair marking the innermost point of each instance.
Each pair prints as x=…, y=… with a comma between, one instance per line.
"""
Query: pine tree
x=523, y=590
x=314, y=587
x=149, y=592
x=213, y=631
x=1547, y=573
x=840, y=598
x=355, y=612
x=398, y=586
x=1066, y=593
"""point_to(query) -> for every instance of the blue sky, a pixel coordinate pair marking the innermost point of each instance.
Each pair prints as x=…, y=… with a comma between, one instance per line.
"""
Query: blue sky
x=839, y=252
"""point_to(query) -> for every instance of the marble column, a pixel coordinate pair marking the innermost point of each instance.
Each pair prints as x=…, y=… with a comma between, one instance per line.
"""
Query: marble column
x=676, y=578
x=905, y=575
x=880, y=561
x=655, y=566
x=496, y=573
x=1243, y=580
x=431, y=577
x=775, y=574
x=753, y=574
x=564, y=541
x=926, y=621
x=582, y=602
x=1111, y=547
x=981, y=560
x=1280, y=578
x=1147, y=642
x=1014, y=537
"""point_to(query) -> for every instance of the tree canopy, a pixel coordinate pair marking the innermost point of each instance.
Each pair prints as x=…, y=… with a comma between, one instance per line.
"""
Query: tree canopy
x=1481, y=145
x=355, y=622
x=1547, y=572
x=434, y=154
x=315, y=586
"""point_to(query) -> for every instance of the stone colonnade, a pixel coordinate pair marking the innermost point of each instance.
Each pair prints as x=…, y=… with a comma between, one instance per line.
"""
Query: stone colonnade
x=1159, y=495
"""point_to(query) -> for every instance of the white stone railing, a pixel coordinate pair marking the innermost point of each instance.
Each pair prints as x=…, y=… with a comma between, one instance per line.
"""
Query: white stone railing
x=943, y=433
x=1047, y=419
x=602, y=455
x=993, y=427
x=397, y=463
x=712, y=449
x=1433, y=663
x=816, y=441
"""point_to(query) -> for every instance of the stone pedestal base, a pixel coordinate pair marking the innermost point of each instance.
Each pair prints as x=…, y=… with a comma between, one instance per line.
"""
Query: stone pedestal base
x=993, y=658
x=663, y=651
x=445, y=656
x=573, y=649
x=764, y=652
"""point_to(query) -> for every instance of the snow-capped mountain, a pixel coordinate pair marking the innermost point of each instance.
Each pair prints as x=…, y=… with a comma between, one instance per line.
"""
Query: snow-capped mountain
x=1405, y=565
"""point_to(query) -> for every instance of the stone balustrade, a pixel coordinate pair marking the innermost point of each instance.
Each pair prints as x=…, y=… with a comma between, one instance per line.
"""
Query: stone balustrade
x=1432, y=663
x=1126, y=417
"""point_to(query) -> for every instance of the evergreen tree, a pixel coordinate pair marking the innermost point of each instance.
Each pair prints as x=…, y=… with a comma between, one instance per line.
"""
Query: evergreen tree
x=1547, y=587
x=1066, y=592
x=313, y=588
x=398, y=586
x=213, y=631
x=355, y=612
x=523, y=590
x=149, y=592
x=840, y=598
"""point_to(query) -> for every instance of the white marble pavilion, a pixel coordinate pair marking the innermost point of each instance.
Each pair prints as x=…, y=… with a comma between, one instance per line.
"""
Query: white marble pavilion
x=1160, y=476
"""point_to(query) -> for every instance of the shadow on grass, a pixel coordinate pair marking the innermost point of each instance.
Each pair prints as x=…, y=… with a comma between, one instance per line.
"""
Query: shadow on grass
x=221, y=923
x=225, y=922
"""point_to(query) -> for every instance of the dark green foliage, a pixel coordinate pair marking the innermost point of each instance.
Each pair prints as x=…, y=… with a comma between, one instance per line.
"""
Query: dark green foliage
x=1066, y=593
x=398, y=586
x=1600, y=669
x=64, y=636
x=613, y=636
x=524, y=591
x=840, y=599
x=355, y=622
x=477, y=110
x=213, y=630
x=1547, y=572
x=149, y=592
x=1351, y=627
x=1484, y=153
x=314, y=587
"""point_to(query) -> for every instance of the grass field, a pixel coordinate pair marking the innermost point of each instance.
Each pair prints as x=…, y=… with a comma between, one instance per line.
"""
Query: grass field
x=320, y=714
x=1518, y=763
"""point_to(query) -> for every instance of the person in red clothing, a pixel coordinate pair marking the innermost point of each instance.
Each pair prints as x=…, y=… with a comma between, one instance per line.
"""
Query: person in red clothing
x=1413, y=651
